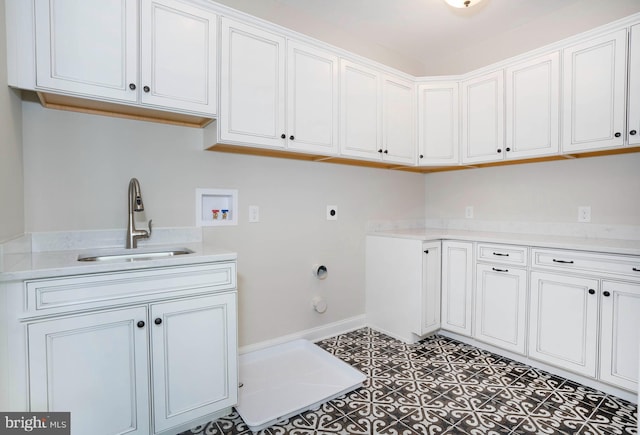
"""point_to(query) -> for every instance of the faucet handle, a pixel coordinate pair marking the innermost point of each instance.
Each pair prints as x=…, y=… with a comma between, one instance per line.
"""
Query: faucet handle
x=149, y=235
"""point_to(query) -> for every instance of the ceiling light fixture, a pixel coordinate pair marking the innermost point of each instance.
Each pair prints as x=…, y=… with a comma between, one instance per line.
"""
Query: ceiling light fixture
x=462, y=3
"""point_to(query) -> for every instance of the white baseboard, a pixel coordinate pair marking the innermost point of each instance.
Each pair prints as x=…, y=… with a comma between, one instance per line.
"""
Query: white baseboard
x=313, y=334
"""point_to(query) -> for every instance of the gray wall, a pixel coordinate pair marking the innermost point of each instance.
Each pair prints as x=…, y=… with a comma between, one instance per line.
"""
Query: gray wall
x=11, y=180
x=78, y=167
x=541, y=192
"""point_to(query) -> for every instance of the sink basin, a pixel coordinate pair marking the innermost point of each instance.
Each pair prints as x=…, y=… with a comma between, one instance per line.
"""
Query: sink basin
x=133, y=255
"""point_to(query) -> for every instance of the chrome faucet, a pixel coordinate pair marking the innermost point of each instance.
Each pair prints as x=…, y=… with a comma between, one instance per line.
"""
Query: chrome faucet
x=135, y=204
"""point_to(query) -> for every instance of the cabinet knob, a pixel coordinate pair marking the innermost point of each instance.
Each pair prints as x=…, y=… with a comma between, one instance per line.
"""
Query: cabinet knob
x=380, y=151
x=283, y=136
x=633, y=132
x=499, y=150
x=291, y=137
x=617, y=134
x=132, y=86
x=426, y=252
x=592, y=291
x=146, y=88
x=386, y=151
x=140, y=324
x=507, y=149
x=421, y=156
x=606, y=294
x=157, y=321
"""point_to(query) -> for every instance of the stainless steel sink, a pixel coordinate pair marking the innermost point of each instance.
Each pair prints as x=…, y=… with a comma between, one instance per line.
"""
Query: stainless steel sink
x=133, y=255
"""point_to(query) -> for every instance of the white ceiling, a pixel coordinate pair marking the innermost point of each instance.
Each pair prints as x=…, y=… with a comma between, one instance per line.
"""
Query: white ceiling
x=428, y=37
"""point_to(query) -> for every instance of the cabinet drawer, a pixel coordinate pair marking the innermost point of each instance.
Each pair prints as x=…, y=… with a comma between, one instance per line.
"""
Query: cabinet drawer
x=588, y=262
x=506, y=254
x=49, y=296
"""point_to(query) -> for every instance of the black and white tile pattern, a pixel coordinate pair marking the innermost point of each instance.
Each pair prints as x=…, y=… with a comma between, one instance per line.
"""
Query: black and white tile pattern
x=442, y=386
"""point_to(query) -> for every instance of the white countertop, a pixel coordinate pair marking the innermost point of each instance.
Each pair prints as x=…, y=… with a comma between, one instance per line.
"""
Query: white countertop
x=612, y=246
x=22, y=266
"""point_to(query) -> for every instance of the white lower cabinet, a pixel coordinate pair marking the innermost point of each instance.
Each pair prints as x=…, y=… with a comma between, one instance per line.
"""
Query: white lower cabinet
x=501, y=306
x=161, y=365
x=195, y=376
x=563, y=329
x=403, y=286
x=457, y=286
x=620, y=334
x=94, y=366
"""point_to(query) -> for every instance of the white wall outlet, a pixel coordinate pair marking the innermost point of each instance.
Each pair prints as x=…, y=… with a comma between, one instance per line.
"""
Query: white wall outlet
x=254, y=213
x=332, y=212
x=468, y=212
x=584, y=213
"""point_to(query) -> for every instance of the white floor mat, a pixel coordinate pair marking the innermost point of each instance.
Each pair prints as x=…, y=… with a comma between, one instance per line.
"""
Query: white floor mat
x=281, y=381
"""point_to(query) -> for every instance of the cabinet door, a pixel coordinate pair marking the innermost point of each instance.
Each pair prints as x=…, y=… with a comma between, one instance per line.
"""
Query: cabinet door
x=178, y=56
x=398, y=126
x=87, y=48
x=594, y=93
x=438, y=136
x=634, y=86
x=94, y=366
x=500, y=305
x=620, y=334
x=252, y=93
x=312, y=99
x=360, y=130
x=194, y=358
x=483, y=118
x=457, y=282
x=431, y=276
x=533, y=103
x=563, y=321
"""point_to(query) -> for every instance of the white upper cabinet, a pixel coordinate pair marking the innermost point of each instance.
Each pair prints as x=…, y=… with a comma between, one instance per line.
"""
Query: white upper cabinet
x=483, y=118
x=178, y=51
x=376, y=115
x=252, y=85
x=634, y=86
x=360, y=124
x=438, y=119
x=594, y=93
x=532, y=107
x=312, y=99
x=398, y=120
x=88, y=48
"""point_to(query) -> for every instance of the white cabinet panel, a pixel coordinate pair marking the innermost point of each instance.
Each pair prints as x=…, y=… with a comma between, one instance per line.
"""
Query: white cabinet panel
x=94, y=366
x=438, y=120
x=312, y=99
x=252, y=86
x=532, y=106
x=563, y=325
x=500, y=304
x=360, y=124
x=398, y=125
x=634, y=86
x=457, y=286
x=178, y=46
x=594, y=93
x=194, y=359
x=483, y=118
x=88, y=48
x=620, y=334
x=402, y=286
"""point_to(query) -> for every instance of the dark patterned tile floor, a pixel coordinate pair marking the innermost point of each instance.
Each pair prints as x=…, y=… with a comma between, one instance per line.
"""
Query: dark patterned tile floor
x=443, y=386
